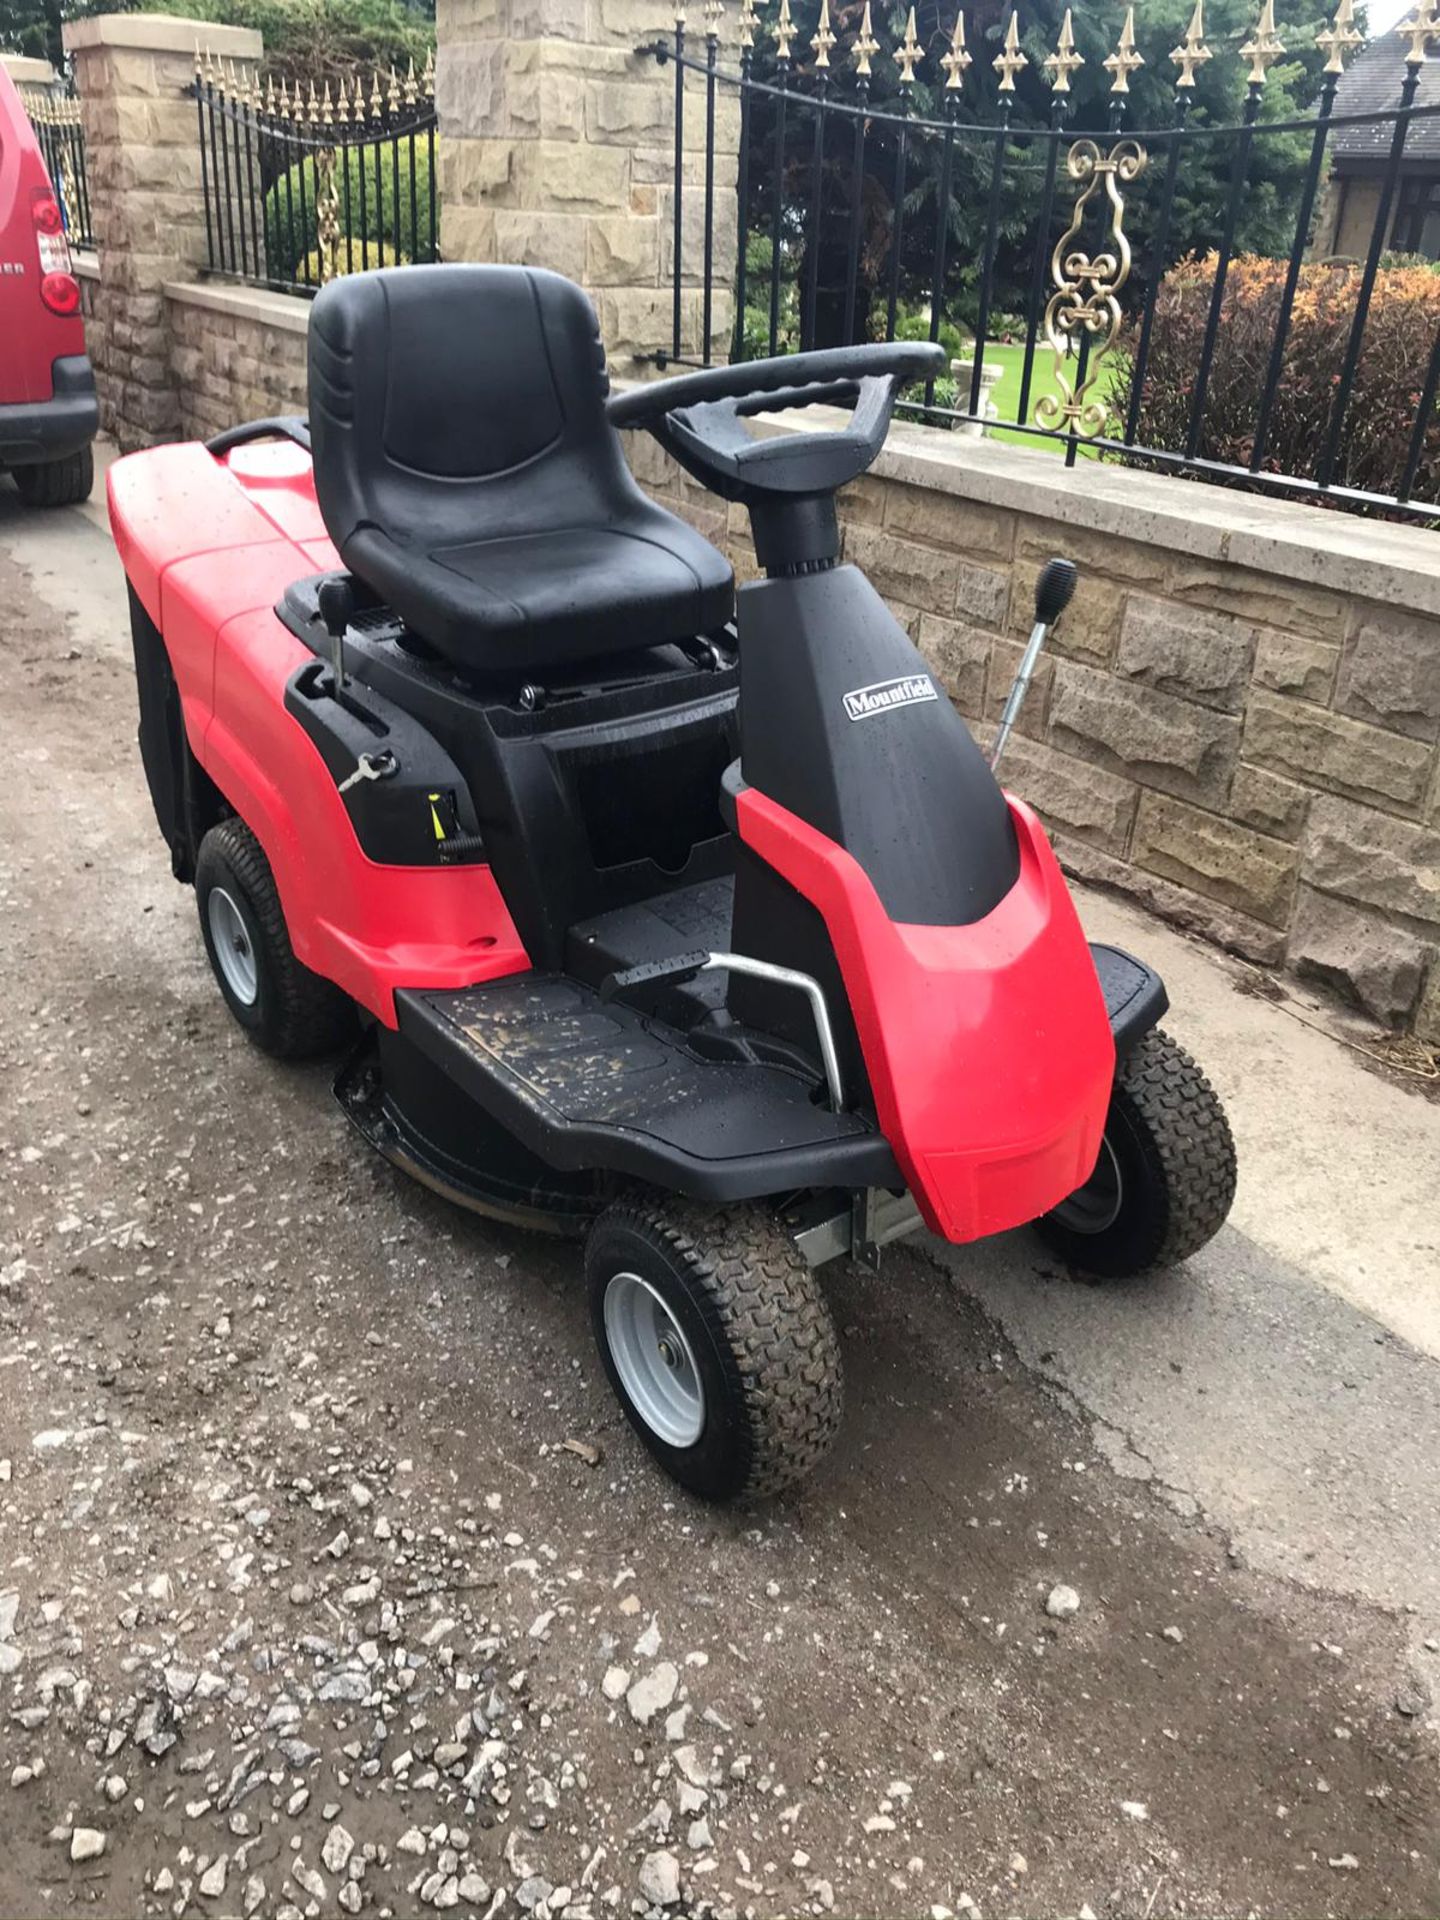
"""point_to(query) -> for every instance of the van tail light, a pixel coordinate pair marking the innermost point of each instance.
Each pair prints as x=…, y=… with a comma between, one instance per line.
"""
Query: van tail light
x=61, y=294
x=58, y=287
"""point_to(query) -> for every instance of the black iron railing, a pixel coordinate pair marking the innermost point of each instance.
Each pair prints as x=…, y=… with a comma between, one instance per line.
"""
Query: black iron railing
x=55, y=116
x=301, y=187
x=1125, y=348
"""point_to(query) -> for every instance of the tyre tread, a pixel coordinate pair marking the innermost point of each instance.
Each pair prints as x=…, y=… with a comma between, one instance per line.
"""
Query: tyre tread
x=775, y=1324
x=57, y=483
x=1188, y=1131
x=312, y=1016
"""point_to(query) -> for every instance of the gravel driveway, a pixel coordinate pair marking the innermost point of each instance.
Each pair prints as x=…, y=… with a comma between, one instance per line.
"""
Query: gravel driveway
x=331, y=1578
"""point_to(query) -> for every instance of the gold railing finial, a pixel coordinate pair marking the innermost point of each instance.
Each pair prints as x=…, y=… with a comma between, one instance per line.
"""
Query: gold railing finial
x=1420, y=29
x=1192, y=51
x=865, y=45
x=823, y=38
x=427, y=78
x=1264, y=47
x=1008, y=62
x=957, y=60
x=749, y=21
x=1065, y=60
x=1340, y=38
x=1125, y=59
x=910, y=53
x=785, y=32
x=714, y=14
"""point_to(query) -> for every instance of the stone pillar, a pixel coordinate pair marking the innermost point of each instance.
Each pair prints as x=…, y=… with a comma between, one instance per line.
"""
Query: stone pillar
x=557, y=150
x=133, y=72
x=26, y=72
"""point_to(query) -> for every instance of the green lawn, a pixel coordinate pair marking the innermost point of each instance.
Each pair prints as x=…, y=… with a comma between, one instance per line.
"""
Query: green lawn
x=1005, y=394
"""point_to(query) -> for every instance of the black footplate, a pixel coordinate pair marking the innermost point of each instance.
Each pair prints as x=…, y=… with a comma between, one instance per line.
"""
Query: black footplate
x=1135, y=996
x=586, y=1083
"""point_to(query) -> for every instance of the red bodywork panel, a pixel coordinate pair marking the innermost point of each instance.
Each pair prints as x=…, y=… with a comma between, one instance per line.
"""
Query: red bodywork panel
x=32, y=336
x=209, y=547
x=988, y=1047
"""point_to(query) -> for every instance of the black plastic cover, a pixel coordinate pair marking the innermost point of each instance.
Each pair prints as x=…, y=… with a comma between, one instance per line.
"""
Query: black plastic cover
x=1135, y=996
x=405, y=819
x=584, y=1084
x=841, y=723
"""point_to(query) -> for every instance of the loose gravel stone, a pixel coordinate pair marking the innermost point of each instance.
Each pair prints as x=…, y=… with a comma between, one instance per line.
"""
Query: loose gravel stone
x=659, y=1879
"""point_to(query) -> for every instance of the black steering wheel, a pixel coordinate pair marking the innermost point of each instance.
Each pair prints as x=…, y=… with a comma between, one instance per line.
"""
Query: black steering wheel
x=698, y=417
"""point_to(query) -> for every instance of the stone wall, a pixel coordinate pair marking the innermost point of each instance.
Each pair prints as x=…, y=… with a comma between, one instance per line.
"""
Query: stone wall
x=557, y=150
x=237, y=353
x=26, y=72
x=143, y=163
x=1236, y=721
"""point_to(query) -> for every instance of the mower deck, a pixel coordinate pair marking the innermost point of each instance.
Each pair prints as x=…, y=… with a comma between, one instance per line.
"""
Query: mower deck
x=587, y=1083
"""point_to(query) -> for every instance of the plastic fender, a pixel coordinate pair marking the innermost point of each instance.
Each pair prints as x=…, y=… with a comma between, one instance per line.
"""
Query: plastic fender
x=988, y=1046
x=369, y=928
x=209, y=547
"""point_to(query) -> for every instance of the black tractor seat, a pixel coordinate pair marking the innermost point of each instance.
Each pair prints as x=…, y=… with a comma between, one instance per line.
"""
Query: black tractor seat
x=467, y=474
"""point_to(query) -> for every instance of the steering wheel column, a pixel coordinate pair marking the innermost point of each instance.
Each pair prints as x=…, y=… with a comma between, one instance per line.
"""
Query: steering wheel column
x=788, y=482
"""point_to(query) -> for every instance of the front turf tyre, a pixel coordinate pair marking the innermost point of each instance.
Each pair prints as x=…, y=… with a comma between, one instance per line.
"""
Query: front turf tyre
x=1165, y=1178
x=285, y=1008
x=718, y=1343
x=57, y=483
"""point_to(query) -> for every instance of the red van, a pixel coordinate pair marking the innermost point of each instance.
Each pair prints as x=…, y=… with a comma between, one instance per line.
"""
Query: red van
x=48, y=411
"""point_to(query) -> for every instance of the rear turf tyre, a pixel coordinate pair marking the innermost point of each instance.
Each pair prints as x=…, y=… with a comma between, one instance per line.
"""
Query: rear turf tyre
x=1165, y=1178
x=57, y=483
x=717, y=1341
x=285, y=1008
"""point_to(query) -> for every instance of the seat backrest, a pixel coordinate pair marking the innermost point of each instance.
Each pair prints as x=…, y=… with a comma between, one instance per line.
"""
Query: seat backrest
x=454, y=402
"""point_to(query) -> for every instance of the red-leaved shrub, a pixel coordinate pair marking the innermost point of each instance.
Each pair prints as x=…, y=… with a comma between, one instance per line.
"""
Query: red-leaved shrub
x=1400, y=333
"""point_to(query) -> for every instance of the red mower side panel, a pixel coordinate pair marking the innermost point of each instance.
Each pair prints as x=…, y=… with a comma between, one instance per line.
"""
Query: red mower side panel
x=210, y=546
x=988, y=1046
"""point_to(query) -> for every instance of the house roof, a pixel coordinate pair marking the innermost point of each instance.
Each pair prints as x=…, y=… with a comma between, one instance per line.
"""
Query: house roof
x=1372, y=85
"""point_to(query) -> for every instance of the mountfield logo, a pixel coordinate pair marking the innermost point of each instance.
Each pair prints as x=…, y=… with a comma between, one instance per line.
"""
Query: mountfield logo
x=886, y=695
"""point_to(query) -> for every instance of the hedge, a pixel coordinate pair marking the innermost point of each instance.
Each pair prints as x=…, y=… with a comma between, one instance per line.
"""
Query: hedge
x=290, y=215
x=1400, y=333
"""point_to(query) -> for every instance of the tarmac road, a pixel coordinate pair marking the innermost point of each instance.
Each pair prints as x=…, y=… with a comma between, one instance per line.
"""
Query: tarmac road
x=311, y=1605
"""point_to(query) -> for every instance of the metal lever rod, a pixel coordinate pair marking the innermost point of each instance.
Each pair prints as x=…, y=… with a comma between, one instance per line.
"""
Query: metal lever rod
x=814, y=993
x=1019, y=687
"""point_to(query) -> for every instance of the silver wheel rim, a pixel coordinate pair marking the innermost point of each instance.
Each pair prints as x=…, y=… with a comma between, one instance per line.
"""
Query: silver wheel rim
x=1095, y=1206
x=654, y=1361
x=234, y=953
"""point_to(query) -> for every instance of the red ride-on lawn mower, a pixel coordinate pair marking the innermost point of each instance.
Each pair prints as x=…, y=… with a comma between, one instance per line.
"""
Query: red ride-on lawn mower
x=689, y=920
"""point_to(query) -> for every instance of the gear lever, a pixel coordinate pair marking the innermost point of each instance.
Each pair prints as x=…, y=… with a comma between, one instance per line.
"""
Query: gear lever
x=336, y=602
x=1053, y=593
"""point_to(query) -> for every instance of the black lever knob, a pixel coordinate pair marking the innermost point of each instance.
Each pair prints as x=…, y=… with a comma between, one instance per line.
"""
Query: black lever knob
x=1054, y=590
x=336, y=604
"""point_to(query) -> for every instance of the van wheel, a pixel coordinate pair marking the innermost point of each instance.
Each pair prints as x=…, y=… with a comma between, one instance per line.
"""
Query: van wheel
x=718, y=1343
x=57, y=483
x=284, y=1007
